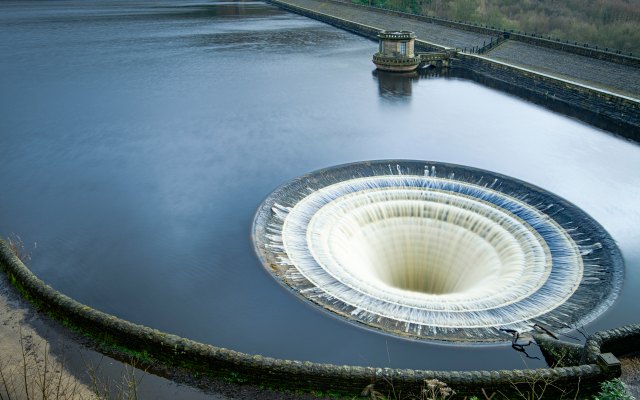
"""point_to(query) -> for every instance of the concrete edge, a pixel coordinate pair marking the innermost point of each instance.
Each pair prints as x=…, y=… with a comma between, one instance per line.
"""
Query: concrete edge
x=153, y=346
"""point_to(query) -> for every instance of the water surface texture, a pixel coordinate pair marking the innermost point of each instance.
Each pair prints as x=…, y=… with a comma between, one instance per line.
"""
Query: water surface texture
x=137, y=140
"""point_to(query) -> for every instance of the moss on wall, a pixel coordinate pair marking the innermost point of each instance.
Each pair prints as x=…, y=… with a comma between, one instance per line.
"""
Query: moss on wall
x=152, y=346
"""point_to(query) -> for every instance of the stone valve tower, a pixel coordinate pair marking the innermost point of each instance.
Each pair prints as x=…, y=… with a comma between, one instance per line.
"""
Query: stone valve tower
x=396, y=52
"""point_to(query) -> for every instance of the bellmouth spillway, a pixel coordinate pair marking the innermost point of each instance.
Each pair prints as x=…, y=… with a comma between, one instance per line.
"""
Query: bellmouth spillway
x=437, y=251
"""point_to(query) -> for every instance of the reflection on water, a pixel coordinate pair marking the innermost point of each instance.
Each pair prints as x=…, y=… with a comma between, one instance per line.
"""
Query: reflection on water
x=397, y=86
x=138, y=139
x=394, y=86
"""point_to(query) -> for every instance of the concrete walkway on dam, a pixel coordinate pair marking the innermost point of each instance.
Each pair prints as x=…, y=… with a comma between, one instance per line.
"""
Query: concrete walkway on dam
x=600, y=74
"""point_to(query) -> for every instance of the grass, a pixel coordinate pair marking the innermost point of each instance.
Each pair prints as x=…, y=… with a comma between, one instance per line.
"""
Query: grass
x=539, y=388
x=436, y=390
x=34, y=375
x=432, y=389
x=613, y=390
x=126, y=388
x=17, y=246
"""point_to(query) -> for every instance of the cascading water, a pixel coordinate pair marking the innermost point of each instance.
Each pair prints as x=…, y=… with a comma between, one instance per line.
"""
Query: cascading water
x=437, y=251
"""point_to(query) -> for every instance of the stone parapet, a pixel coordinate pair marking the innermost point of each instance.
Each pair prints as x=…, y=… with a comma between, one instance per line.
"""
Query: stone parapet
x=617, y=341
x=606, y=110
x=155, y=348
x=386, y=63
x=360, y=29
x=396, y=35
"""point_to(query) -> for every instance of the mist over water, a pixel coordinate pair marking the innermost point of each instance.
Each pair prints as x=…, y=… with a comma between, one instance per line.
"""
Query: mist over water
x=137, y=140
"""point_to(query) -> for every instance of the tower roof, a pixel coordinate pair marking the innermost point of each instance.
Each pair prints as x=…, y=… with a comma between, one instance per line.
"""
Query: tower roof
x=396, y=35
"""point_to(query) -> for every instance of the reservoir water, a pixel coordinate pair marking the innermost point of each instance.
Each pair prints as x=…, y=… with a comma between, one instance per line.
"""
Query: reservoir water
x=137, y=139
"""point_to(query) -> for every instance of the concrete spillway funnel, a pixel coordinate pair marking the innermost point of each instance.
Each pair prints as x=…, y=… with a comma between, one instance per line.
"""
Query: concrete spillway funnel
x=437, y=251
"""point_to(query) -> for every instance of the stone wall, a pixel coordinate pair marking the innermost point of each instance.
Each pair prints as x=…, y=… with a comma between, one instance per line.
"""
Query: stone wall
x=615, y=113
x=617, y=341
x=359, y=29
x=584, y=50
x=363, y=30
x=161, y=350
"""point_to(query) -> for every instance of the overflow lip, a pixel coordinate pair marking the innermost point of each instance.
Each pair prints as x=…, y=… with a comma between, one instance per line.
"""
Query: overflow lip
x=586, y=263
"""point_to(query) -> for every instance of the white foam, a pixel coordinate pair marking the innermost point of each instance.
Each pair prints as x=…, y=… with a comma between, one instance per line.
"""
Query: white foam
x=427, y=256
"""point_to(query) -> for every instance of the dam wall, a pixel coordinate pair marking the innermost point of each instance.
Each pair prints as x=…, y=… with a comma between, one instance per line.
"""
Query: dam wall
x=614, y=112
x=357, y=28
x=605, y=110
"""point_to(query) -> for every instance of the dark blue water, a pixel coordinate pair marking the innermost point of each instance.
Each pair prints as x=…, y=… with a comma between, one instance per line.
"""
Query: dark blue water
x=137, y=140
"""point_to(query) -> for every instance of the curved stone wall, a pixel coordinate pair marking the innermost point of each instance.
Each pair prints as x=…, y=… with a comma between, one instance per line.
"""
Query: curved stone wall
x=153, y=346
x=621, y=340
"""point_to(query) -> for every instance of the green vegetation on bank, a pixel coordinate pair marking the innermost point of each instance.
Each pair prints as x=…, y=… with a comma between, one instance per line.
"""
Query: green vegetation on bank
x=611, y=24
x=436, y=390
x=613, y=390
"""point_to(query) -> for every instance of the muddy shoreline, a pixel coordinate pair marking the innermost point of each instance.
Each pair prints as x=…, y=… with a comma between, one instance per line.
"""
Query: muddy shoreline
x=22, y=327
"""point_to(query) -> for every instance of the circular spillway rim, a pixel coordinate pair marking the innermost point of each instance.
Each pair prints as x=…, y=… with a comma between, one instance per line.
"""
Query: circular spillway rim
x=596, y=291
